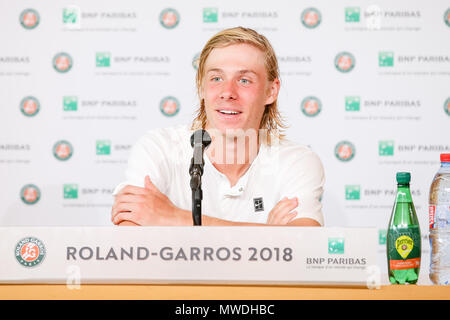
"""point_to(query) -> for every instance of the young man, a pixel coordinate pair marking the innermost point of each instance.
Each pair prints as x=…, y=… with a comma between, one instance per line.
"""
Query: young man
x=252, y=175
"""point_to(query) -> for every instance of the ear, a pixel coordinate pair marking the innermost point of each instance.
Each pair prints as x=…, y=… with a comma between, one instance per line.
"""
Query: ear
x=272, y=91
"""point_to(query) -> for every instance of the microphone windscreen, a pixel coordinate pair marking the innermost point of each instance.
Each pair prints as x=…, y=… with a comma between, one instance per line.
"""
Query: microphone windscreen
x=201, y=136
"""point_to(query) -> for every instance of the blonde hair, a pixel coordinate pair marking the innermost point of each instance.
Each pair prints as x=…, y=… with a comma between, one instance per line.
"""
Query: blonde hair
x=271, y=119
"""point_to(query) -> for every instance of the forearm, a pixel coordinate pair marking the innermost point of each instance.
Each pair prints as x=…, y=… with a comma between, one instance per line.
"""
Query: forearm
x=212, y=221
x=127, y=223
x=184, y=218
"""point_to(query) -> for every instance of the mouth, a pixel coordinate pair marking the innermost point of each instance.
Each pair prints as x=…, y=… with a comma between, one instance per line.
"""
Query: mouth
x=227, y=112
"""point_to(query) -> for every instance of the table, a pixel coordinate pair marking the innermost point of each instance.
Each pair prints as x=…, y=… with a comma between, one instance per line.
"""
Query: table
x=220, y=292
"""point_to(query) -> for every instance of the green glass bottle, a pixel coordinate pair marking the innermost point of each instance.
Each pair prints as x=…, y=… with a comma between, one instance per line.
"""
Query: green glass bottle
x=403, y=245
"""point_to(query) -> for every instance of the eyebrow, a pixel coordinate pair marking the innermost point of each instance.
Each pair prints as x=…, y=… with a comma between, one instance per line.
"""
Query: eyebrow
x=240, y=71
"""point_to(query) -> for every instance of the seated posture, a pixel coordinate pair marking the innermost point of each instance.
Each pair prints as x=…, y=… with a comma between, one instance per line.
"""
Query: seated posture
x=252, y=174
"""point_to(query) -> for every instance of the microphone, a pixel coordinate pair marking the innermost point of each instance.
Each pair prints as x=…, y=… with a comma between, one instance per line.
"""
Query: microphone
x=200, y=140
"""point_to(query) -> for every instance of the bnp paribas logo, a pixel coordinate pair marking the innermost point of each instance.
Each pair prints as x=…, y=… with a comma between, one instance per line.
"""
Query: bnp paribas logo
x=336, y=245
x=382, y=236
x=70, y=191
x=103, y=59
x=210, y=15
x=62, y=150
x=352, y=14
x=353, y=192
x=29, y=106
x=352, y=103
x=71, y=17
x=311, y=18
x=30, y=252
x=344, y=62
x=447, y=106
x=447, y=17
x=62, y=62
x=169, y=18
x=386, y=59
x=345, y=151
x=311, y=106
x=30, y=194
x=386, y=148
x=103, y=147
x=29, y=19
x=70, y=103
x=169, y=106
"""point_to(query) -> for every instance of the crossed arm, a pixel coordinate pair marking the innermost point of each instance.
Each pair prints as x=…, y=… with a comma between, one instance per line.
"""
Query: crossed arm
x=149, y=206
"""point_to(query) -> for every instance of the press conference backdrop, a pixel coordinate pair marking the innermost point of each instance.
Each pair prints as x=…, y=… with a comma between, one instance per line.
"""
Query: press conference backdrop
x=365, y=85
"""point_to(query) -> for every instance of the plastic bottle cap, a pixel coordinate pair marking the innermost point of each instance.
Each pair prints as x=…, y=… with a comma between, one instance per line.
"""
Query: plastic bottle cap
x=445, y=157
x=403, y=177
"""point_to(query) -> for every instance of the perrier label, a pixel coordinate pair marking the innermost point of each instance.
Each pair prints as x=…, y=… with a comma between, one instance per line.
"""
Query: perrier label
x=403, y=243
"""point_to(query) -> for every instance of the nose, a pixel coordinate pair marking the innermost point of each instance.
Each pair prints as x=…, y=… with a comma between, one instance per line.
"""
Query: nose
x=229, y=91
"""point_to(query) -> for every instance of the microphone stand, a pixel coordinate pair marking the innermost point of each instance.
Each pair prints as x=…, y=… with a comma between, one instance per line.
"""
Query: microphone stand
x=197, y=193
x=200, y=140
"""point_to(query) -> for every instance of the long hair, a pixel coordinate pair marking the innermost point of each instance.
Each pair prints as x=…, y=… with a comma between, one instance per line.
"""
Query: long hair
x=271, y=119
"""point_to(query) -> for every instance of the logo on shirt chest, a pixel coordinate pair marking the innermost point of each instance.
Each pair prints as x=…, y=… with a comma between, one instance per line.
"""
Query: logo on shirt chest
x=258, y=204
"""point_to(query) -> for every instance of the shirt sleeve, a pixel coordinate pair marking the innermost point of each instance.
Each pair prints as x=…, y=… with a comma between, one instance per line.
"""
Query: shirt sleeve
x=304, y=178
x=147, y=157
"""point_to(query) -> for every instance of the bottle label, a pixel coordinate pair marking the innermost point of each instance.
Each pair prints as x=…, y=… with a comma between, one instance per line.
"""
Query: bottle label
x=439, y=216
x=404, y=248
x=431, y=215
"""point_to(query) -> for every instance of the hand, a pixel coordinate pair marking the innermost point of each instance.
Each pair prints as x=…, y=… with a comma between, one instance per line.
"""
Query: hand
x=281, y=214
x=143, y=206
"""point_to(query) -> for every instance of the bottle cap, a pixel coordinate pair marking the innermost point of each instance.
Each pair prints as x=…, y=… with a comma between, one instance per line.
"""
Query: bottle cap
x=445, y=157
x=403, y=177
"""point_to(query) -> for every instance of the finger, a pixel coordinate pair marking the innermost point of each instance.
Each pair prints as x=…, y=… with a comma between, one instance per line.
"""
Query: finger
x=129, y=198
x=123, y=207
x=129, y=189
x=281, y=208
x=149, y=184
x=281, y=203
x=123, y=216
x=127, y=223
x=284, y=218
x=289, y=217
x=287, y=205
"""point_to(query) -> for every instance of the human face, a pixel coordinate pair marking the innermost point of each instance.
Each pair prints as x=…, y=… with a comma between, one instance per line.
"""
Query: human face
x=235, y=88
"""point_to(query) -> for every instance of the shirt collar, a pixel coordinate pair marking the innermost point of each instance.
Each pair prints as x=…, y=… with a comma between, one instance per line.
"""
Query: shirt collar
x=241, y=185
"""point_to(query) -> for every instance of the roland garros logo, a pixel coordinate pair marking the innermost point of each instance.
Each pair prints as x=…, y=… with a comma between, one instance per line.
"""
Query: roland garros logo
x=196, y=61
x=30, y=194
x=29, y=106
x=30, y=252
x=29, y=19
x=344, y=62
x=311, y=18
x=447, y=17
x=344, y=151
x=62, y=62
x=447, y=106
x=62, y=150
x=169, y=106
x=311, y=106
x=169, y=18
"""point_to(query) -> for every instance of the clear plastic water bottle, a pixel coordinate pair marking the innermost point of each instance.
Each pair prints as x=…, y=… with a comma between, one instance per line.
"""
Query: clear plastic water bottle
x=439, y=217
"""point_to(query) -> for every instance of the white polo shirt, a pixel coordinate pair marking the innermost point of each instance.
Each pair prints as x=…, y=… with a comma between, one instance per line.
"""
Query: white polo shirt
x=282, y=170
